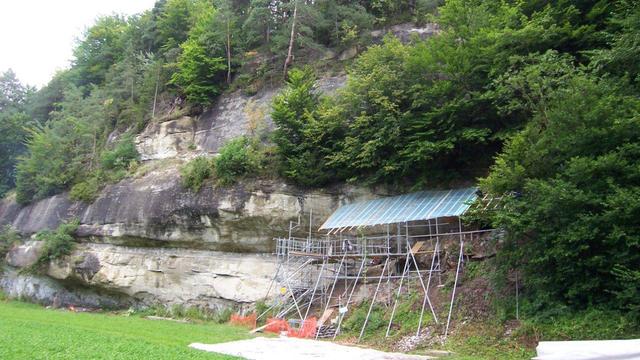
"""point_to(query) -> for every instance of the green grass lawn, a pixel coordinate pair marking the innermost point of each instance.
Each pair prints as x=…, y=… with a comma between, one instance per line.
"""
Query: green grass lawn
x=29, y=331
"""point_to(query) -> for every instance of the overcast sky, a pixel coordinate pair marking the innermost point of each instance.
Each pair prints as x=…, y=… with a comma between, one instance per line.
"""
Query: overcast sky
x=37, y=36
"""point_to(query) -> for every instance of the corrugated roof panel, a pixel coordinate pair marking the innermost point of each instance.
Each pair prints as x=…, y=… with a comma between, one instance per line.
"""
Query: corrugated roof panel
x=422, y=205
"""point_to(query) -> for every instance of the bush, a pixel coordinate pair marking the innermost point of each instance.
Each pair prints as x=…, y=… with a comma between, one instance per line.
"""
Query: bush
x=593, y=324
x=86, y=190
x=195, y=172
x=57, y=243
x=8, y=237
x=238, y=158
x=121, y=156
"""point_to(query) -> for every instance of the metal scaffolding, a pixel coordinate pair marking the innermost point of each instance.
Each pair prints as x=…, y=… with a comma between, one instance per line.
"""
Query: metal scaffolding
x=359, y=248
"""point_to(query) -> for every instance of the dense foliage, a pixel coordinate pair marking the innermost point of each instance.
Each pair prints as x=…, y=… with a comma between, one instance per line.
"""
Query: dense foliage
x=195, y=172
x=57, y=243
x=238, y=158
x=8, y=237
x=13, y=120
x=428, y=112
x=573, y=225
x=294, y=112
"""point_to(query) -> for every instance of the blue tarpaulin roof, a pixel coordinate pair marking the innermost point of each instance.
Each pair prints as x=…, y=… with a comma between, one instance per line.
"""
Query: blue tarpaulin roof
x=423, y=205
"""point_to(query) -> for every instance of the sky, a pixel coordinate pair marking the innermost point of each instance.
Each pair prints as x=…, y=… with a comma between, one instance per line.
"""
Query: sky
x=37, y=36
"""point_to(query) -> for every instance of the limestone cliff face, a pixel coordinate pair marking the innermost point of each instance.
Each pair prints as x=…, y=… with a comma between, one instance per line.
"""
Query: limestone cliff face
x=127, y=276
x=147, y=239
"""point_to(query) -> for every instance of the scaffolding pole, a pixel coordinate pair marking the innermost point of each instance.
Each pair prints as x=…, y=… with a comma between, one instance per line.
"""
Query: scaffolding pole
x=395, y=303
x=433, y=258
x=386, y=262
x=455, y=283
x=425, y=289
x=315, y=287
x=332, y=288
x=355, y=282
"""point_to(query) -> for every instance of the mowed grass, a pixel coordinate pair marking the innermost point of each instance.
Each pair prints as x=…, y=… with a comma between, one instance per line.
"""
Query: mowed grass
x=29, y=331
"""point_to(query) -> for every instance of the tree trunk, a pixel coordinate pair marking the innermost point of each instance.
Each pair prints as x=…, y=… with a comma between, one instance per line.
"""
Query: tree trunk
x=228, y=52
x=155, y=95
x=289, y=58
x=267, y=34
x=94, y=148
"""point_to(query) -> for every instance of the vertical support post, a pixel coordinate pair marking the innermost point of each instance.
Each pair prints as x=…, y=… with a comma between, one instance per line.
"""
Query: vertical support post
x=398, y=239
x=310, y=225
x=433, y=258
x=313, y=294
x=355, y=283
x=373, y=300
x=332, y=288
x=455, y=283
x=395, y=303
x=438, y=254
x=408, y=250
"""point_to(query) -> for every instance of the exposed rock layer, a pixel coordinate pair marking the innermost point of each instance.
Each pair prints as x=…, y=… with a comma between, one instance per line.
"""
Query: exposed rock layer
x=142, y=276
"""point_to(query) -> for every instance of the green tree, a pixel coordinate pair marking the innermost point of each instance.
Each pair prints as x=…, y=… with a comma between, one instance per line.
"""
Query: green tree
x=100, y=48
x=13, y=120
x=259, y=23
x=175, y=19
x=293, y=114
x=238, y=158
x=574, y=171
x=62, y=151
x=201, y=66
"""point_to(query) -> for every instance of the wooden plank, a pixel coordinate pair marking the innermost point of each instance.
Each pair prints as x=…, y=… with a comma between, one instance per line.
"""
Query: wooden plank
x=416, y=247
x=327, y=314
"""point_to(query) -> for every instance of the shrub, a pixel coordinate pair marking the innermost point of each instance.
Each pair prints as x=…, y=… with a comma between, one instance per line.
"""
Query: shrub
x=8, y=237
x=121, y=156
x=238, y=158
x=57, y=243
x=592, y=324
x=195, y=172
x=86, y=190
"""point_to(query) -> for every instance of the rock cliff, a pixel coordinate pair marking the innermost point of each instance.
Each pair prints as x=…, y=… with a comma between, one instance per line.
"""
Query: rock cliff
x=147, y=239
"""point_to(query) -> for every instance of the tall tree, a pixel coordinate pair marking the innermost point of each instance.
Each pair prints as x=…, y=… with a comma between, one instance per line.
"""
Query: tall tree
x=292, y=38
x=13, y=120
x=101, y=47
x=258, y=24
x=225, y=14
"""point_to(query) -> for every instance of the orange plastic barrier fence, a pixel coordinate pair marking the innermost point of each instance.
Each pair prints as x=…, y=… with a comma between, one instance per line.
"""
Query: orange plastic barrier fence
x=249, y=320
x=307, y=330
x=276, y=325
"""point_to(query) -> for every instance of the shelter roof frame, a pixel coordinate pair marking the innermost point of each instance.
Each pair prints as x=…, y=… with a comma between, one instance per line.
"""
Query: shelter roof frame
x=422, y=205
